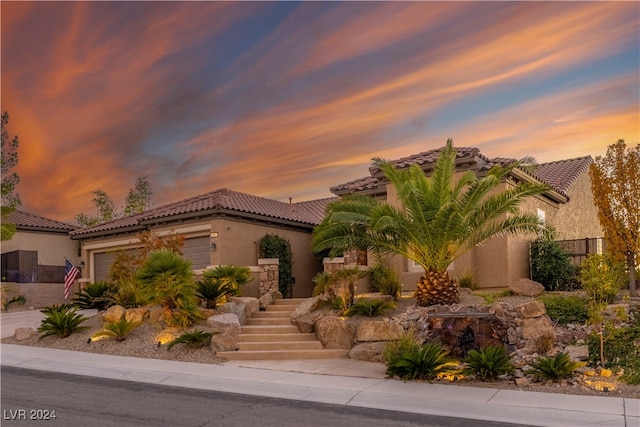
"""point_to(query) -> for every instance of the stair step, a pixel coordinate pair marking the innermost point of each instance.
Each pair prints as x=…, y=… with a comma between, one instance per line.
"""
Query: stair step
x=289, y=345
x=271, y=314
x=280, y=308
x=277, y=321
x=276, y=337
x=269, y=329
x=289, y=301
x=282, y=354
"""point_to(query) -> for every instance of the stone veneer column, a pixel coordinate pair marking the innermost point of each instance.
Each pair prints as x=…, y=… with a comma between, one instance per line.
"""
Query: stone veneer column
x=268, y=274
x=333, y=264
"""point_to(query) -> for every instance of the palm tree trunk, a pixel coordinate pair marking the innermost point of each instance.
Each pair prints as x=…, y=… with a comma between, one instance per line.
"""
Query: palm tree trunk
x=436, y=287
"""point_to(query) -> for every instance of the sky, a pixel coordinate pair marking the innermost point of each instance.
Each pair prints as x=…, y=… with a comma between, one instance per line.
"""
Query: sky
x=286, y=99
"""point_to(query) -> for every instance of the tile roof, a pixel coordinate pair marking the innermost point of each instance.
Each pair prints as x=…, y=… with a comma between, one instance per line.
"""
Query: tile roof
x=562, y=174
x=362, y=184
x=26, y=221
x=309, y=213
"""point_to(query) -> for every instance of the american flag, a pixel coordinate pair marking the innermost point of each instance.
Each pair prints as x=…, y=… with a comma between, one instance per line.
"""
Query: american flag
x=70, y=275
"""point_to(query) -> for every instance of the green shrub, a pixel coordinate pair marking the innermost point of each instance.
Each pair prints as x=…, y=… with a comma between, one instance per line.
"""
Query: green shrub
x=95, y=295
x=555, y=368
x=324, y=283
x=193, y=339
x=467, y=281
x=211, y=290
x=370, y=307
x=185, y=314
x=273, y=246
x=566, y=309
x=17, y=299
x=602, y=278
x=61, y=320
x=385, y=280
x=489, y=362
x=408, y=341
x=118, y=330
x=231, y=276
x=551, y=266
x=423, y=363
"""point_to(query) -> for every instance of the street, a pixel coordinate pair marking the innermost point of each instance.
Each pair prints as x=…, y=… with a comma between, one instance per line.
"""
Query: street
x=33, y=398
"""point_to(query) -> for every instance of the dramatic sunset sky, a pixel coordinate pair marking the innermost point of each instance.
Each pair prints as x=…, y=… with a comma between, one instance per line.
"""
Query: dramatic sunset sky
x=285, y=99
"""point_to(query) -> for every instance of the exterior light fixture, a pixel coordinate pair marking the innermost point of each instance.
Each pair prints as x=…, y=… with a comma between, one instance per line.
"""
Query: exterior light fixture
x=214, y=234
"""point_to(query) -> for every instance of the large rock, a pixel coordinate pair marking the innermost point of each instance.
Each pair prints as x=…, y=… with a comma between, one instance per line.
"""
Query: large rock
x=22, y=334
x=114, y=313
x=368, y=351
x=526, y=287
x=156, y=314
x=335, y=332
x=577, y=352
x=251, y=305
x=137, y=315
x=265, y=300
x=229, y=327
x=307, y=323
x=531, y=309
x=306, y=307
x=378, y=330
x=237, y=307
x=535, y=328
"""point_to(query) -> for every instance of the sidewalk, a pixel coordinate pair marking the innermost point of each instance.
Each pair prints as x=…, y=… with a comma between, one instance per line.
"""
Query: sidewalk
x=338, y=381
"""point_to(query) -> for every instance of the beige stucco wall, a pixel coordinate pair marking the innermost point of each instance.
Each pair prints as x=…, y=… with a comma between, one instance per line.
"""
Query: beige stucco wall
x=579, y=218
x=51, y=248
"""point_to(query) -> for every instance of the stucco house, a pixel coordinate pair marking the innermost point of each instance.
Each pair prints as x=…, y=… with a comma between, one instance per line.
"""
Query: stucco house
x=220, y=227
x=567, y=206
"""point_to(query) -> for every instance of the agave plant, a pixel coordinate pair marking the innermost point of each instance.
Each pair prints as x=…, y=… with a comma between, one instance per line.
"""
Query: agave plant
x=61, y=320
x=95, y=295
x=370, y=307
x=424, y=362
x=193, y=339
x=555, y=368
x=440, y=219
x=118, y=330
x=489, y=363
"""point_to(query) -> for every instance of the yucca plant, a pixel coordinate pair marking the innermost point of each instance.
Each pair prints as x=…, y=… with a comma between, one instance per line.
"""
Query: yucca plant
x=118, y=330
x=370, y=307
x=95, y=295
x=423, y=363
x=193, y=339
x=231, y=276
x=61, y=320
x=210, y=290
x=441, y=217
x=489, y=363
x=555, y=368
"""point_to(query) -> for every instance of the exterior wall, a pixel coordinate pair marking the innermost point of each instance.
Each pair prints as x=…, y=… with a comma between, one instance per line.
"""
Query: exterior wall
x=37, y=295
x=51, y=247
x=579, y=218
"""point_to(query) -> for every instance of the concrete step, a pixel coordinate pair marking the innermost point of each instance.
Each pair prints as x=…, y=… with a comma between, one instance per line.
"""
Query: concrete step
x=282, y=354
x=271, y=315
x=288, y=345
x=280, y=308
x=277, y=321
x=289, y=301
x=268, y=329
x=276, y=337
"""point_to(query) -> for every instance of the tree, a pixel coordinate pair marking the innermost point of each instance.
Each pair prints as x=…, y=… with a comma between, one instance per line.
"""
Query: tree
x=138, y=200
x=439, y=219
x=10, y=200
x=615, y=184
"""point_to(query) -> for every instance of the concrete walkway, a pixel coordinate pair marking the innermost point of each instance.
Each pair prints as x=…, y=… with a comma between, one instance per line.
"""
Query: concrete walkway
x=337, y=381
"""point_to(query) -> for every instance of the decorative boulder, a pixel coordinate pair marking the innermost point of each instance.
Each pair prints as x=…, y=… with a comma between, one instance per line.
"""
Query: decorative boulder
x=229, y=327
x=237, y=307
x=531, y=309
x=533, y=329
x=577, y=352
x=114, y=313
x=306, y=307
x=307, y=323
x=526, y=287
x=378, y=330
x=265, y=300
x=155, y=314
x=368, y=351
x=335, y=332
x=251, y=305
x=22, y=334
x=137, y=315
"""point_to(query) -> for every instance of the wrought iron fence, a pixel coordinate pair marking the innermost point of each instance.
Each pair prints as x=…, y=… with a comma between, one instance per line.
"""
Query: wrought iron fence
x=579, y=249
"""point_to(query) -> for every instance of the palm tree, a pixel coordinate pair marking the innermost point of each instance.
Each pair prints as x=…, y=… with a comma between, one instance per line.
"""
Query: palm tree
x=233, y=277
x=440, y=219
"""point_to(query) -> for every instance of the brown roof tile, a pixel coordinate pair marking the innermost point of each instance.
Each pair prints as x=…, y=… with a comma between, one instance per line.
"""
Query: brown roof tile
x=26, y=221
x=310, y=212
x=562, y=174
x=362, y=184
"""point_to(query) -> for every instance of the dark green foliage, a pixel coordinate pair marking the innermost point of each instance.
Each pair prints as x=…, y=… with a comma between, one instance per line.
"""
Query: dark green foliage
x=164, y=278
x=95, y=295
x=272, y=246
x=370, y=307
x=421, y=363
x=118, y=330
x=17, y=299
x=185, y=314
x=551, y=266
x=61, y=320
x=489, y=362
x=566, y=309
x=385, y=280
x=555, y=368
x=193, y=339
x=211, y=290
x=622, y=350
x=231, y=276
x=324, y=283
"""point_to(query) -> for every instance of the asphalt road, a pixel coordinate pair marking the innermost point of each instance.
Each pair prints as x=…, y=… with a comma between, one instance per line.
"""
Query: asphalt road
x=34, y=398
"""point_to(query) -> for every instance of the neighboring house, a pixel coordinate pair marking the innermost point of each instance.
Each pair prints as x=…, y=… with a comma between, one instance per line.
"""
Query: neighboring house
x=568, y=206
x=220, y=227
x=37, y=250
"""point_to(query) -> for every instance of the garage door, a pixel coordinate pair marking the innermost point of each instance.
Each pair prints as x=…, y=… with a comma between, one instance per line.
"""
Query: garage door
x=102, y=262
